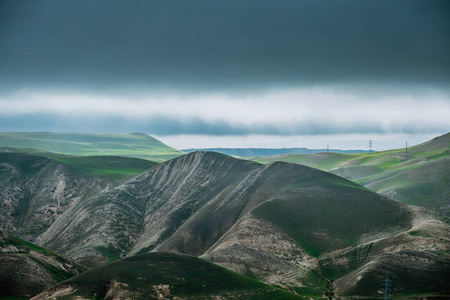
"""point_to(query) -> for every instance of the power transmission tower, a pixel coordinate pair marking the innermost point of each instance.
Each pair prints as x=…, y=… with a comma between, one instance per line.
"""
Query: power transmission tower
x=387, y=287
x=370, y=145
x=406, y=150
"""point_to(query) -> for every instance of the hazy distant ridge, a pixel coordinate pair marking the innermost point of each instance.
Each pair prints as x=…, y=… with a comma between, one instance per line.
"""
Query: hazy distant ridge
x=270, y=151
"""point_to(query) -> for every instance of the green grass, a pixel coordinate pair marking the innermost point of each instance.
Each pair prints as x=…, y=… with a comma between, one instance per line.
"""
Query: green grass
x=13, y=240
x=385, y=160
x=321, y=161
x=309, y=292
x=316, y=286
x=111, y=253
x=58, y=274
x=320, y=222
x=414, y=233
x=187, y=276
x=123, y=144
x=112, y=167
x=115, y=168
x=420, y=180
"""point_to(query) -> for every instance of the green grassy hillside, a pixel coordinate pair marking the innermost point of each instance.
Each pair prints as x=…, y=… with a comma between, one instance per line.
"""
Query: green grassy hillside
x=324, y=161
x=27, y=269
x=164, y=275
x=112, y=167
x=320, y=223
x=123, y=144
x=419, y=177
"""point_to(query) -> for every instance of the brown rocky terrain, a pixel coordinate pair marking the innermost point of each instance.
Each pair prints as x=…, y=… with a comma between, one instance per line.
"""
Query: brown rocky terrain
x=37, y=190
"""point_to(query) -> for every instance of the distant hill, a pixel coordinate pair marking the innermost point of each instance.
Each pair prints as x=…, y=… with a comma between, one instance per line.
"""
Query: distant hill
x=138, y=145
x=26, y=269
x=418, y=176
x=258, y=152
x=163, y=276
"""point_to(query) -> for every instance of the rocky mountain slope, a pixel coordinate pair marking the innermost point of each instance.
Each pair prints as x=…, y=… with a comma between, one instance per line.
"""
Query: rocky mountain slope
x=141, y=214
x=418, y=176
x=27, y=269
x=37, y=188
x=281, y=223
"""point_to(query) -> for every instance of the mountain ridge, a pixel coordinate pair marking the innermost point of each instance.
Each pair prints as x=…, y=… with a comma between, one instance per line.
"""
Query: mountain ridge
x=139, y=145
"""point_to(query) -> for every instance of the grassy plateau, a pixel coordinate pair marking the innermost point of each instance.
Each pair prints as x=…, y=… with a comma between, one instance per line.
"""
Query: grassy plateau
x=138, y=145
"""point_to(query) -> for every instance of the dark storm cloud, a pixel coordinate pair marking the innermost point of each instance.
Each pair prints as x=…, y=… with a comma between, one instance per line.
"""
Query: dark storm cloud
x=103, y=45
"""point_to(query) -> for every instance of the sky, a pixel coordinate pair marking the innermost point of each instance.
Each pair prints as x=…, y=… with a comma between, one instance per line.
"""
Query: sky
x=226, y=73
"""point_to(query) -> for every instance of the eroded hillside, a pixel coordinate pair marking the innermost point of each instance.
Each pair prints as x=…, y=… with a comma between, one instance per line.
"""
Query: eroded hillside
x=281, y=223
x=308, y=231
x=37, y=190
x=27, y=269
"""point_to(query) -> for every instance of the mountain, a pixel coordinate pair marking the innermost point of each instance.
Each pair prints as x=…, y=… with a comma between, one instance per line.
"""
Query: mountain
x=418, y=176
x=37, y=188
x=163, y=276
x=147, y=210
x=258, y=152
x=284, y=224
x=27, y=269
x=138, y=145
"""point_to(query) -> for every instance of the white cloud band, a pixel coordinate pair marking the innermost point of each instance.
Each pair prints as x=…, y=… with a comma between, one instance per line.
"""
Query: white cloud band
x=318, y=110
